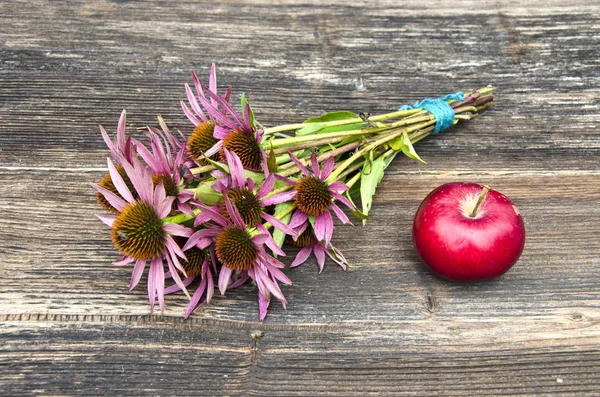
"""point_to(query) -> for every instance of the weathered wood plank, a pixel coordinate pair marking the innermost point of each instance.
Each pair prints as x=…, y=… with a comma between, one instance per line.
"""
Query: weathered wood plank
x=389, y=327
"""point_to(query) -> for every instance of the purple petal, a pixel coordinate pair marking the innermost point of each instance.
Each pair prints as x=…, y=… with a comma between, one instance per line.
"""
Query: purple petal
x=212, y=81
x=286, y=180
x=119, y=183
x=107, y=219
x=315, y=165
x=298, y=218
x=125, y=260
x=202, y=233
x=117, y=202
x=263, y=306
x=321, y=226
x=210, y=285
x=260, y=239
x=320, y=255
x=194, y=104
x=234, y=214
x=299, y=164
x=239, y=281
x=270, y=242
x=174, y=248
x=338, y=186
x=271, y=286
x=278, y=198
x=147, y=156
x=224, y=277
x=215, y=216
x=266, y=187
x=278, y=224
x=195, y=299
x=152, y=285
x=326, y=216
x=214, y=150
x=136, y=275
x=220, y=132
x=302, y=256
x=160, y=284
x=164, y=208
x=343, y=199
x=236, y=169
x=327, y=168
x=339, y=213
x=226, y=106
x=175, y=288
x=176, y=278
x=121, y=130
x=189, y=114
x=178, y=230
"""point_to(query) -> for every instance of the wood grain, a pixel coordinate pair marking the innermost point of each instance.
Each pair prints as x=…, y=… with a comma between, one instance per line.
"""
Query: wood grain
x=388, y=327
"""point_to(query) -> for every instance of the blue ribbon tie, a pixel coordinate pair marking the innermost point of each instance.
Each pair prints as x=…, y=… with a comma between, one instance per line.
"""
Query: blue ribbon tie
x=444, y=114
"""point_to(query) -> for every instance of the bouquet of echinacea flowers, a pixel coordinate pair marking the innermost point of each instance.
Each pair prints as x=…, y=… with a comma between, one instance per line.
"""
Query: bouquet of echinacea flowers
x=217, y=207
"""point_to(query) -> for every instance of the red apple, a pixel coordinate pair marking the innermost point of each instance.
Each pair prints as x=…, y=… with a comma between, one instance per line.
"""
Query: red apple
x=467, y=232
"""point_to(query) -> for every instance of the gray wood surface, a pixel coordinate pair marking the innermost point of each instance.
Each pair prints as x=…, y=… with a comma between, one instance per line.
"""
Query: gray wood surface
x=389, y=327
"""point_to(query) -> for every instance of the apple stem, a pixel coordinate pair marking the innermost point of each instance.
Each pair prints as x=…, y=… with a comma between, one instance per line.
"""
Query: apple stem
x=479, y=201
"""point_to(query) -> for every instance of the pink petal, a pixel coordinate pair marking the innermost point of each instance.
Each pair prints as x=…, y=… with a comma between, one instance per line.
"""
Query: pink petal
x=176, y=278
x=302, y=256
x=338, y=186
x=298, y=218
x=263, y=307
x=117, y=202
x=320, y=255
x=152, y=285
x=136, y=275
x=340, y=214
x=175, y=288
x=315, y=165
x=278, y=224
x=260, y=239
x=212, y=81
x=224, y=277
x=194, y=103
x=189, y=114
x=270, y=242
x=178, y=230
x=236, y=169
x=214, y=150
x=220, y=132
x=107, y=219
x=321, y=225
x=234, y=213
x=343, y=199
x=119, y=183
x=173, y=247
x=299, y=164
x=195, y=299
x=327, y=168
x=278, y=198
x=266, y=187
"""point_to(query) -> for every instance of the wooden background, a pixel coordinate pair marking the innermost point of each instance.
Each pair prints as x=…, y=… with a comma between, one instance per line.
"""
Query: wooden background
x=389, y=327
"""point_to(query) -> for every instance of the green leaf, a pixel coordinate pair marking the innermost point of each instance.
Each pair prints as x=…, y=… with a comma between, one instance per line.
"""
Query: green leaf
x=278, y=235
x=310, y=129
x=372, y=175
x=319, y=124
x=272, y=159
x=205, y=193
x=245, y=102
x=220, y=166
x=333, y=116
x=403, y=143
x=311, y=219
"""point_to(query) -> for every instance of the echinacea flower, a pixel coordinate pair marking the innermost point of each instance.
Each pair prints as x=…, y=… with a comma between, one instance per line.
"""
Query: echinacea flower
x=121, y=150
x=308, y=244
x=236, y=134
x=250, y=205
x=166, y=160
x=241, y=253
x=314, y=197
x=202, y=139
x=138, y=230
x=197, y=267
